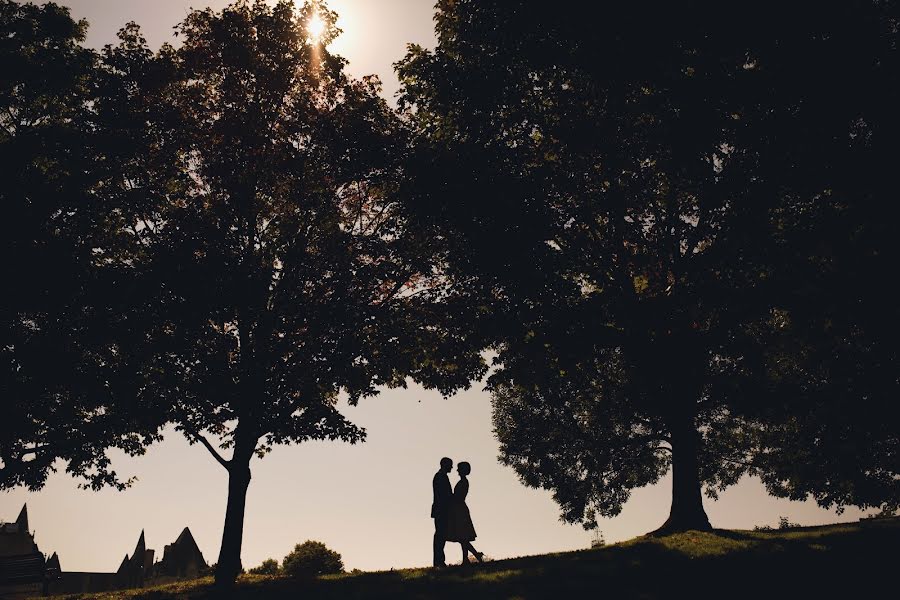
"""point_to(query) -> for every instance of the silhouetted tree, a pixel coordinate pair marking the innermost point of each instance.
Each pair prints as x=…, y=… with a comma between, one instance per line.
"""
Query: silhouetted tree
x=250, y=214
x=680, y=215
x=242, y=262
x=59, y=365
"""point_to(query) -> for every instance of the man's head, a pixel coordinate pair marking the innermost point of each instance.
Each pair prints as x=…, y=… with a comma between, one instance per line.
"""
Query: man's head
x=446, y=465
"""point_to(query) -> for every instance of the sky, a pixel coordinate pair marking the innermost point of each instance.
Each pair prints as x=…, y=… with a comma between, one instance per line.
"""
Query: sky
x=375, y=32
x=370, y=502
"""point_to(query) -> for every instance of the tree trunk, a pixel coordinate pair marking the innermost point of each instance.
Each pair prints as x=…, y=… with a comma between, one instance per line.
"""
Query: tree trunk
x=229, y=565
x=687, y=502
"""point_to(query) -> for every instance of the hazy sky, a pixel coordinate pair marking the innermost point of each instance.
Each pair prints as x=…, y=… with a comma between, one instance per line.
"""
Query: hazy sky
x=375, y=32
x=370, y=502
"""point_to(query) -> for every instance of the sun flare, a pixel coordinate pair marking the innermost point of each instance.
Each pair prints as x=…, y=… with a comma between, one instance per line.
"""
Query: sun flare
x=316, y=27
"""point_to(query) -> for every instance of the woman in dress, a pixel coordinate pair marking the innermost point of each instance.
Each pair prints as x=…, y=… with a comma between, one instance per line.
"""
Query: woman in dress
x=459, y=521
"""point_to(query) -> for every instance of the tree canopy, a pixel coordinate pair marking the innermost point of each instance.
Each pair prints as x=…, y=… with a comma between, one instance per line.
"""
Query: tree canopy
x=679, y=220
x=59, y=359
x=244, y=228
x=255, y=217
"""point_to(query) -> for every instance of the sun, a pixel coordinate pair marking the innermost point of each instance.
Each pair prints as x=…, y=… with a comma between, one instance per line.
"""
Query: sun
x=315, y=27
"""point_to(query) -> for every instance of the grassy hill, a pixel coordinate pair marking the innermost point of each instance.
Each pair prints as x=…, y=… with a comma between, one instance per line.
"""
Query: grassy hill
x=856, y=560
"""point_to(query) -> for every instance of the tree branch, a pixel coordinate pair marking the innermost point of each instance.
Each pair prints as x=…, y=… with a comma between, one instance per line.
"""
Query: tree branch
x=200, y=438
x=397, y=287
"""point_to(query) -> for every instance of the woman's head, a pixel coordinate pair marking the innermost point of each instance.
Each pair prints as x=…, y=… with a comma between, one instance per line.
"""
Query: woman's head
x=464, y=468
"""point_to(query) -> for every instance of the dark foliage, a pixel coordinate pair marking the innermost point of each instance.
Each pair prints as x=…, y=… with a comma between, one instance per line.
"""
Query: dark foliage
x=681, y=217
x=310, y=559
x=267, y=567
x=61, y=365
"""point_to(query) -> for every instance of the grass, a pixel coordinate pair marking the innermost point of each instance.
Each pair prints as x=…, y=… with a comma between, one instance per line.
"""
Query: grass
x=854, y=560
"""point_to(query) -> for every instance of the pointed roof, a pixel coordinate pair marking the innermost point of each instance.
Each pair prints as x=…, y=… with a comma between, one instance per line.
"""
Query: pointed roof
x=182, y=555
x=53, y=562
x=140, y=548
x=186, y=538
x=22, y=521
x=123, y=565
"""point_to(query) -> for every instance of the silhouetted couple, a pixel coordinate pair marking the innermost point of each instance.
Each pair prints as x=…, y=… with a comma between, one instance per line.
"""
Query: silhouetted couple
x=452, y=522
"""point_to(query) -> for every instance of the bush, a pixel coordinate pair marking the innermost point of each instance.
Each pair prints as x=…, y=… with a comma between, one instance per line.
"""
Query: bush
x=268, y=567
x=888, y=512
x=312, y=558
x=210, y=570
x=784, y=523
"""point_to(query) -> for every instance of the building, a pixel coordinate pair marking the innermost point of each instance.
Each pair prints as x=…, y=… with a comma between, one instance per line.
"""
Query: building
x=182, y=559
x=22, y=565
x=25, y=571
x=132, y=573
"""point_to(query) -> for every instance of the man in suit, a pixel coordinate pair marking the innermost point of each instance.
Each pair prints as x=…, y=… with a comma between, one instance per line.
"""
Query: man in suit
x=440, y=509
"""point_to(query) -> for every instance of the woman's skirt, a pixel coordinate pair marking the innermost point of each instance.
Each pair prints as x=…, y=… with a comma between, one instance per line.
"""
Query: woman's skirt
x=459, y=524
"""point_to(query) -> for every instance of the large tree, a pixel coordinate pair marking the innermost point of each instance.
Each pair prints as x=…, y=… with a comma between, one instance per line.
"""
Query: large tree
x=255, y=263
x=680, y=215
x=273, y=267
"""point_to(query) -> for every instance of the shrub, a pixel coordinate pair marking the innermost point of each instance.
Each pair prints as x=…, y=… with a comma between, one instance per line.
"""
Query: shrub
x=312, y=558
x=888, y=512
x=210, y=570
x=268, y=567
x=784, y=523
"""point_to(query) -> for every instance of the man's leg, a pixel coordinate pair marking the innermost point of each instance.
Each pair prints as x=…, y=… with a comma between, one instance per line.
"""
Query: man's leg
x=440, y=530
